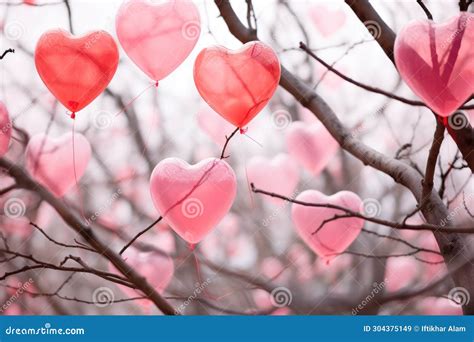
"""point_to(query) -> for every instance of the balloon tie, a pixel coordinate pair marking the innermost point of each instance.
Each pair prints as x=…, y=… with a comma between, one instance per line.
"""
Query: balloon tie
x=73, y=115
x=156, y=84
x=243, y=130
x=201, y=284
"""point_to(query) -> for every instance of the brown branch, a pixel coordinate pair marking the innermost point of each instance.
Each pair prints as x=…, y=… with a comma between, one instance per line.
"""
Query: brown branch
x=60, y=243
x=6, y=52
x=140, y=234
x=227, y=139
x=24, y=180
x=369, y=88
x=431, y=163
x=351, y=213
x=425, y=9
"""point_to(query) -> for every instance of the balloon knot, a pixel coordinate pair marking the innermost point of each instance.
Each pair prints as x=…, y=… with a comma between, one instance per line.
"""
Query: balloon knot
x=73, y=115
x=191, y=246
x=156, y=84
x=243, y=130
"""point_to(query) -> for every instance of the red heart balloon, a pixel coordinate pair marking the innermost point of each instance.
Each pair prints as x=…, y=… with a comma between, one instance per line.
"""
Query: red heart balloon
x=76, y=69
x=237, y=84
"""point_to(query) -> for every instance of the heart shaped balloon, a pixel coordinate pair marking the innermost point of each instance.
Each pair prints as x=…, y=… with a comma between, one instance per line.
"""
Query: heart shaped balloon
x=311, y=145
x=158, y=36
x=335, y=236
x=437, y=61
x=157, y=268
x=193, y=199
x=279, y=175
x=237, y=84
x=76, y=69
x=50, y=161
x=400, y=273
x=214, y=125
x=328, y=21
x=5, y=129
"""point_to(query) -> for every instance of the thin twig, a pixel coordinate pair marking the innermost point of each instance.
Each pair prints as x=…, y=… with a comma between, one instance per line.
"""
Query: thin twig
x=140, y=234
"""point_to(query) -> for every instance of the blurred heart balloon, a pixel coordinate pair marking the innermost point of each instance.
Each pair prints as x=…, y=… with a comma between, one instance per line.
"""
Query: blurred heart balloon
x=311, y=145
x=214, y=125
x=279, y=175
x=437, y=61
x=76, y=69
x=157, y=268
x=193, y=199
x=328, y=21
x=50, y=161
x=335, y=236
x=401, y=273
x=237, y=84
x=5, y=129
x=158, y=36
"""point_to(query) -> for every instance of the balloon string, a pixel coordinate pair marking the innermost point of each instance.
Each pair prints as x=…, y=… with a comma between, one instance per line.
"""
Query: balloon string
x=136, y=97
x=192, y=248
x=81, y=207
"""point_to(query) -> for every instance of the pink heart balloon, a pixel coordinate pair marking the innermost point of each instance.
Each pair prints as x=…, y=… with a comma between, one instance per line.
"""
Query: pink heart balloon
x=158, y=269
x=328, y=21
x=214, y=125
x=279, y=175
x=50, y=161
x=336, y=235
x=437, y=61
x=237, y=84
x=439, y=307
x=193, y=199
x=311, y=145
x=5, y=129
x=400, y=273
x=158, y=37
